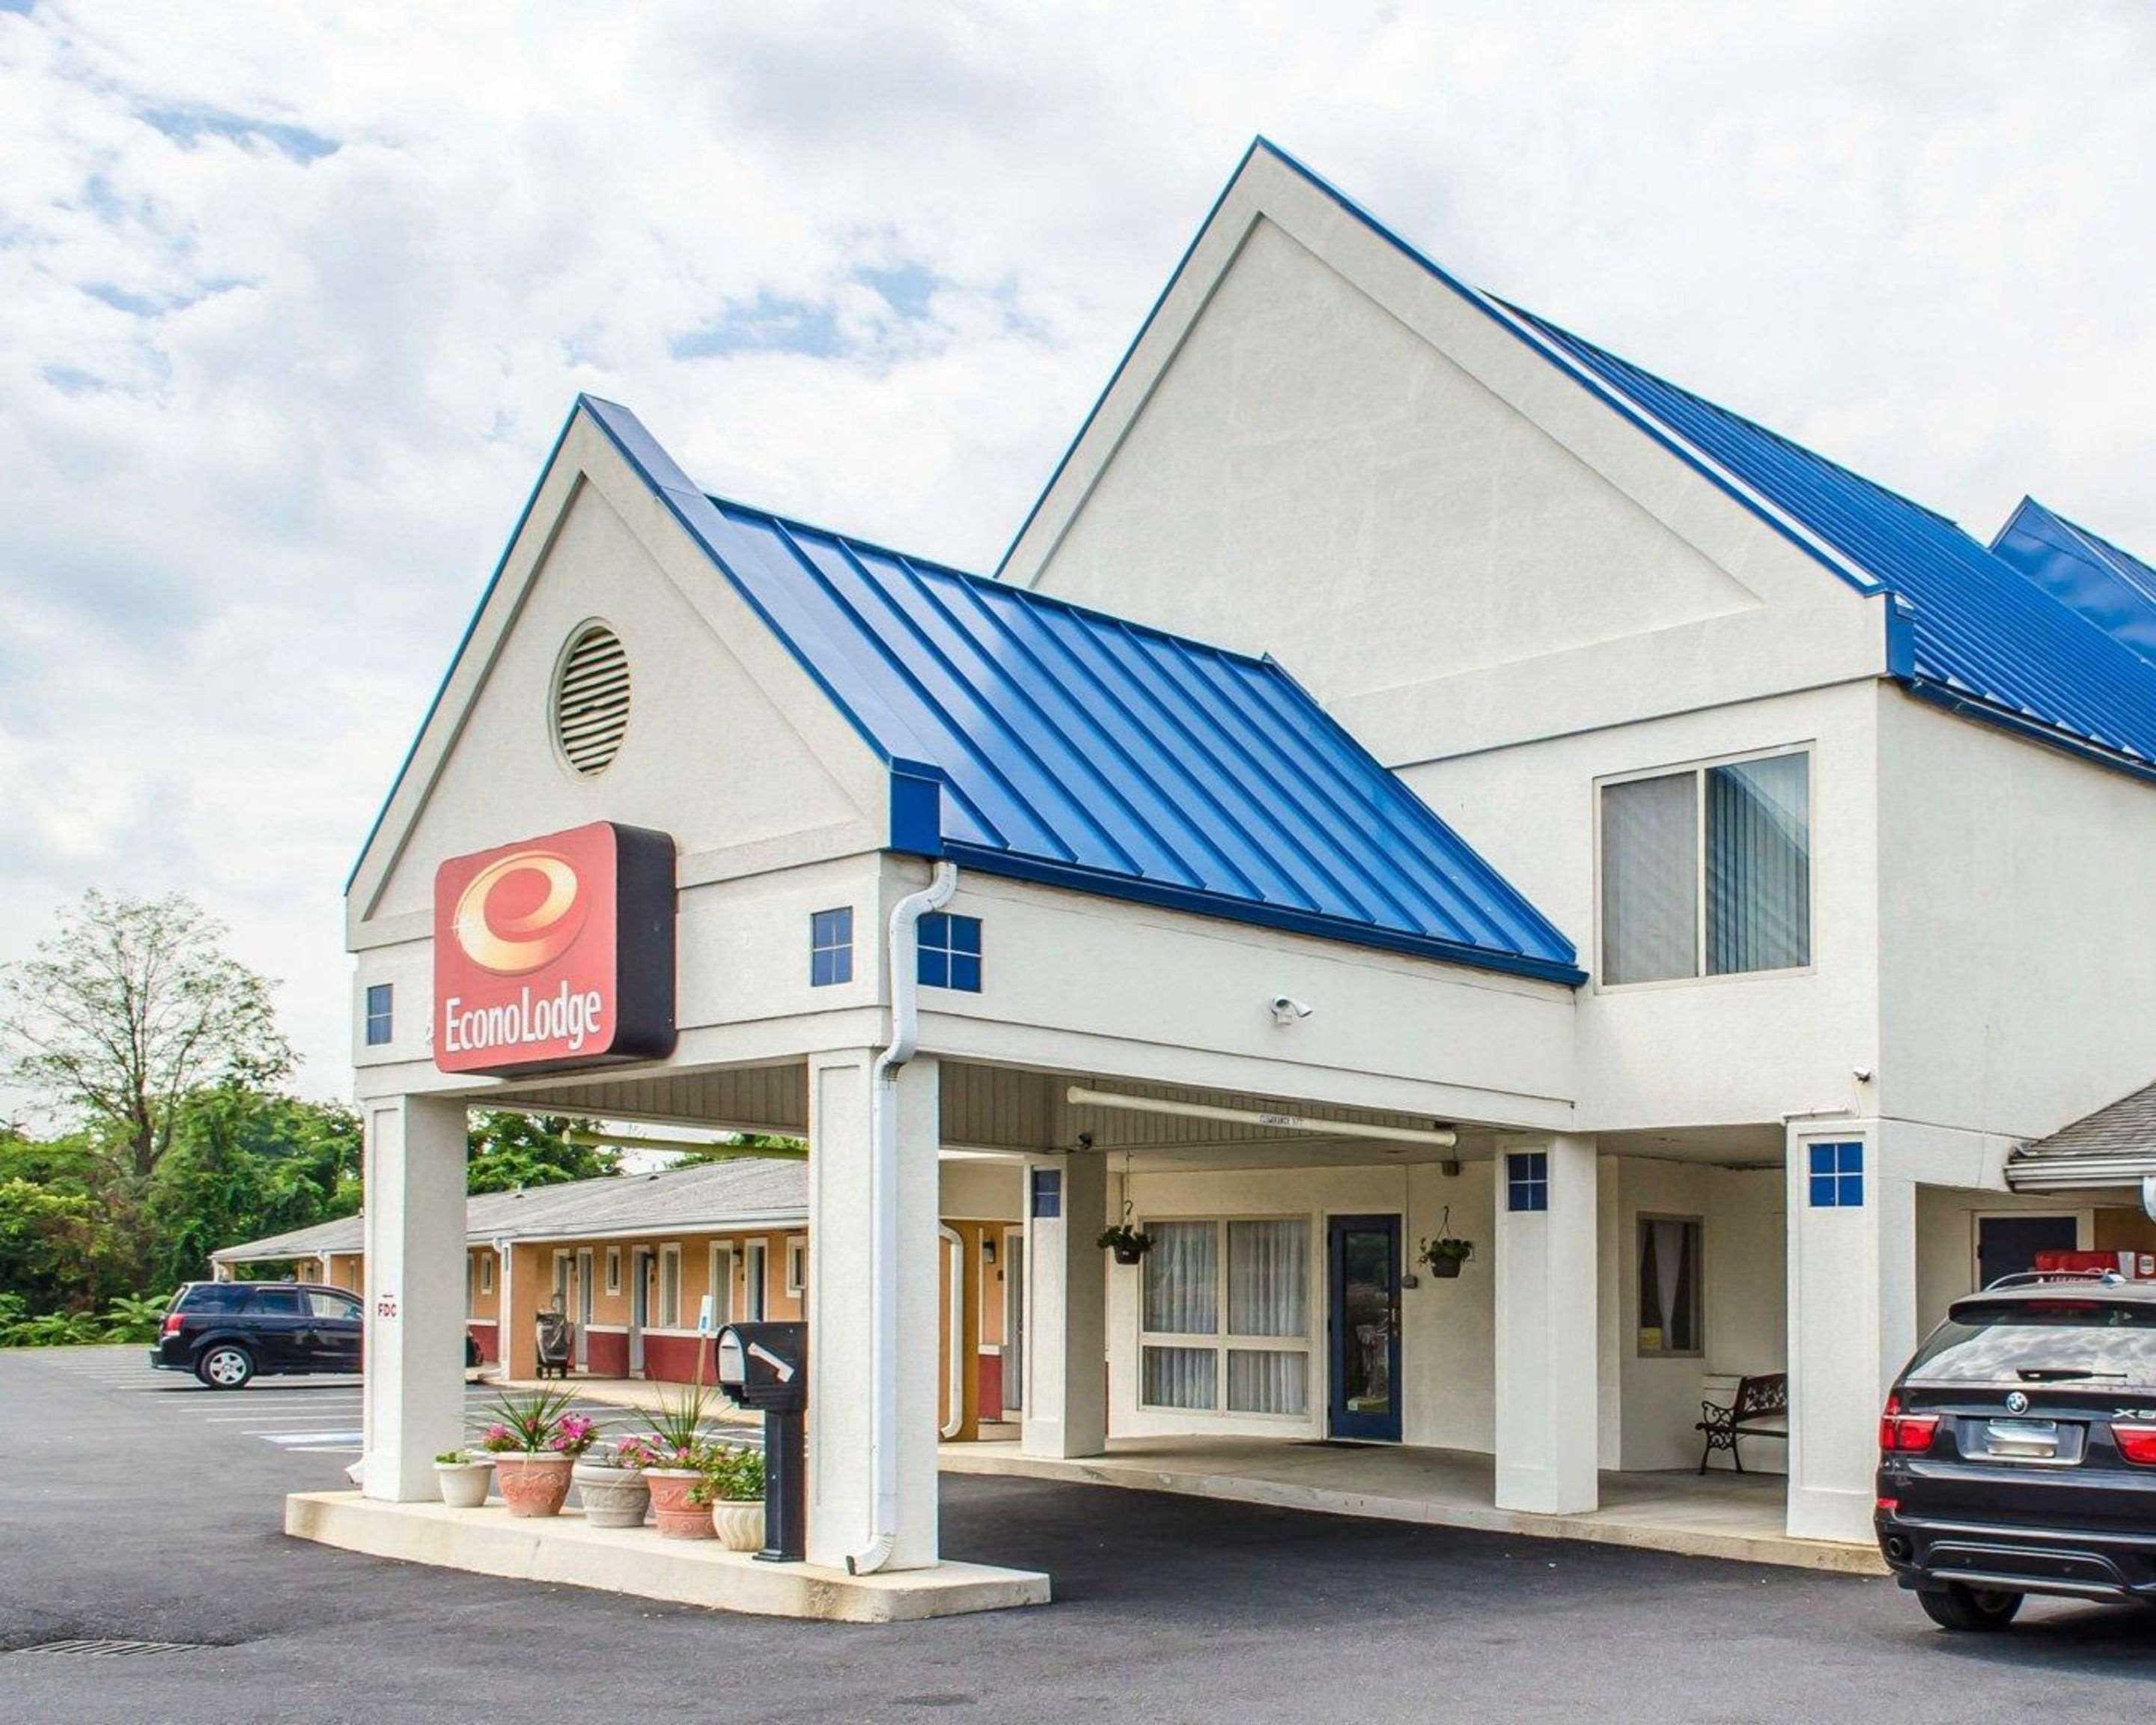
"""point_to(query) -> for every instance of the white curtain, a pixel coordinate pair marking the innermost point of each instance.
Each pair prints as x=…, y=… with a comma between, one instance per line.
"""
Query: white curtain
x=1180, y=1377
x=1181, y=1281
x=1268, y=1281
x=1262, y=1381
x=1759, y=866
x=1650, y=876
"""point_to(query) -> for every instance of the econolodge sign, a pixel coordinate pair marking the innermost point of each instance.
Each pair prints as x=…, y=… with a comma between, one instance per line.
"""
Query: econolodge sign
x=555, y=952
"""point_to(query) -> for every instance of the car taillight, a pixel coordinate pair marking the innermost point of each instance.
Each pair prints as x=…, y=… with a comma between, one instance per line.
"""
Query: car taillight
x=2136, y=1443
x=171, y=1323
x=1901, y=1434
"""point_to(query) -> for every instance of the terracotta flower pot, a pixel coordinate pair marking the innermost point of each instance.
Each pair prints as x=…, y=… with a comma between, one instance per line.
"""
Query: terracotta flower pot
x=677, y=1517
x=532, y=1485
x=612, y=1496
x=463, y=1483
x=739, y=1525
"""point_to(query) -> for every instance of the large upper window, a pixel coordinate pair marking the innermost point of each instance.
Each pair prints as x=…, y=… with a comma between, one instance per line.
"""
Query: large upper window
x=1708, y=872
x=1255, y=1276
x=1670, y=1293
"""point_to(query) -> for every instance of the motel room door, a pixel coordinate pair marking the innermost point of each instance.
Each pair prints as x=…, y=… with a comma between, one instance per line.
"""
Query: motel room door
x=642, y=1260
x=2007, y=1246
x=584, y=1309
x=1363, y=1286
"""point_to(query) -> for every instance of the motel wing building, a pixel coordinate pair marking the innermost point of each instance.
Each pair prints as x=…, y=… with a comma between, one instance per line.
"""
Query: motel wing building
x=1415, y=775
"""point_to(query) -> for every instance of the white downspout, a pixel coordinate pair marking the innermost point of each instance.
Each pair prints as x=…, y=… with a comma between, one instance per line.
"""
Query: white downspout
x=903, y=950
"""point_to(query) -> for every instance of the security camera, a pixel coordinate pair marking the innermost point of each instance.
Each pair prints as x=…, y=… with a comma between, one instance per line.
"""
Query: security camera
x=1286, y=1009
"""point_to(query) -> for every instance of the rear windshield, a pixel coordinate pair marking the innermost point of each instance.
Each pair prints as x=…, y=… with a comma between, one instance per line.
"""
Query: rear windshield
x=214, y=1296
x=2037, y=1341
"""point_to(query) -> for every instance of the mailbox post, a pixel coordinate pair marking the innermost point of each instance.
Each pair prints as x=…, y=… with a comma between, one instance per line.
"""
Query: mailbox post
x=766, y=1367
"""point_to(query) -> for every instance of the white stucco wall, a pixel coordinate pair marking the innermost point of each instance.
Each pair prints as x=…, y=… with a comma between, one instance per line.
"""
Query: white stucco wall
x=2018, y=934
x=1717, y=1051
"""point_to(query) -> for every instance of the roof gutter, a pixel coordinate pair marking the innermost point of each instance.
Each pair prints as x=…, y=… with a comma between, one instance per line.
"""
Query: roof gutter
x=2081, y=1173
x=902, y=949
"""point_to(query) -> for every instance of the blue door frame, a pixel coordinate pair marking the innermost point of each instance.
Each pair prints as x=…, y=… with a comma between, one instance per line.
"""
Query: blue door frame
x=1363, y=1319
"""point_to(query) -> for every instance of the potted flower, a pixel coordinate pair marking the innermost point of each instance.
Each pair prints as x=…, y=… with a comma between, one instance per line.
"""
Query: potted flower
x=1130, y=1245
x=679, y=1450
x=1445, y=1255
x=535, y=1441
x=610, y=1483
x=464, y=1478
x=732, y=1489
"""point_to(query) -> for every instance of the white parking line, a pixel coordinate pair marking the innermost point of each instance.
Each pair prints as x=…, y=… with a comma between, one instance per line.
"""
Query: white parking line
x=285, y=1440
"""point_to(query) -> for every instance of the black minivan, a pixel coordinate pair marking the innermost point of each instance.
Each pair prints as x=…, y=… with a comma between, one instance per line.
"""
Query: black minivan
x=2018, y=1450
x=230, y=1332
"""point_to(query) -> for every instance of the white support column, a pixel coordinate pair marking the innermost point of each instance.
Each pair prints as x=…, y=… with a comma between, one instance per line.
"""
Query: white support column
x=1548, y=1335
x=841, y=1312
x=414, y=1395
x=1066, y=1374
x=1852, y=1323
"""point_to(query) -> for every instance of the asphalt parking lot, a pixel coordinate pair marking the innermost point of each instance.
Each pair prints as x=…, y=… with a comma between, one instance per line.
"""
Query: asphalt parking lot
x=130, y=1509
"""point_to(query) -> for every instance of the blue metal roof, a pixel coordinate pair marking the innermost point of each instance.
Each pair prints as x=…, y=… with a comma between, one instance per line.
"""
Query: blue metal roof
x=2112, y=588
x=1031, y=737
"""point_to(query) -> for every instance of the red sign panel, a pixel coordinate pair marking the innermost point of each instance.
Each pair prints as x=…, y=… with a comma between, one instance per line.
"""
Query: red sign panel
x=555, y=952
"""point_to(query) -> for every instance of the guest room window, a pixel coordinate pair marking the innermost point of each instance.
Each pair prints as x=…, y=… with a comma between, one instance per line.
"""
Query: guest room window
x=1708, y=872
x=1670, y=1293
x=1225, y=1316
x=831, y=948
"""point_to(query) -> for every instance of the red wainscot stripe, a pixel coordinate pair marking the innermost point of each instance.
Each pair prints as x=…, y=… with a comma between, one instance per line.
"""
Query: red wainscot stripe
x=488, y=1334
x=606, y=1352
x=672, y=1356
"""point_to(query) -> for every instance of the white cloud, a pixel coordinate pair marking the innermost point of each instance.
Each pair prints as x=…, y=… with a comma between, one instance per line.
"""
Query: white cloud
x=296, y=298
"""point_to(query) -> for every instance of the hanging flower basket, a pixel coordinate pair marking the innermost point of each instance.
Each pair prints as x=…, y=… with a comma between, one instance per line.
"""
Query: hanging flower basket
x=1130, y=1245
x=1445, y=1256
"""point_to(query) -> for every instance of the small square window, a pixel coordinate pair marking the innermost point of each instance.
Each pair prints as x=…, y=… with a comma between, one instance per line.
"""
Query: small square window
x=1837, y=1175
x=486, y=1272
x=831, y=947
x=950, y=952
x=380, y=1013
x=1526, y=1180
x=614, y=1270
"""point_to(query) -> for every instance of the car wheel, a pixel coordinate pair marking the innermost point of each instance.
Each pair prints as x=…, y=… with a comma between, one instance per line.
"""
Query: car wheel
x=1957, y=1607
x=225, y=1366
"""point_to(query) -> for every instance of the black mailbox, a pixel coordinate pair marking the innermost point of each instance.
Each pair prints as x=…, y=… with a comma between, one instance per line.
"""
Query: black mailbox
x=766, y=1367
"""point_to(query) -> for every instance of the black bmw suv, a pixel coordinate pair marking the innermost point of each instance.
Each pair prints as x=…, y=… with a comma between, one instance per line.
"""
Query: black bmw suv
x=230, y=1332
x=2018, y=1450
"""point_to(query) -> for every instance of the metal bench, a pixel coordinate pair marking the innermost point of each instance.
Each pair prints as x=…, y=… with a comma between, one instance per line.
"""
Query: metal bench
x=1759, y=1400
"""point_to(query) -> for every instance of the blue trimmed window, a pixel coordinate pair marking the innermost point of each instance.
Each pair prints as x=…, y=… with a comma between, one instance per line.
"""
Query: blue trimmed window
x=381, y=1014
x=1837, y=1175
x=951, y=952
x=831, y=948
x=1526, y=1180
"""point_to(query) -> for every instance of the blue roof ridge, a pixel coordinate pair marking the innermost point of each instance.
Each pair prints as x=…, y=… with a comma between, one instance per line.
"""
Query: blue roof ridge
x=1551, y=326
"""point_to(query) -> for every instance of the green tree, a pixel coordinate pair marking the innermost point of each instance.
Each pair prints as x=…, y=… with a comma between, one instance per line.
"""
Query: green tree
x=244, y=1164
x=734, y=1144
x=129, y=1007
x=511, y=1150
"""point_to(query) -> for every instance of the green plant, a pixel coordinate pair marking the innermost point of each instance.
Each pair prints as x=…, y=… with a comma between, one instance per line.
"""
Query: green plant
x=54, y=1329
x=534, y=1423
x=134, y=1317
x=677, y=1428
x=454, y=1458
x=730, y=1476
x=1124, y=1238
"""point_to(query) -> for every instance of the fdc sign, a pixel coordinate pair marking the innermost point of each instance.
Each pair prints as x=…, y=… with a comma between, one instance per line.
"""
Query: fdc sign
x=555, y=952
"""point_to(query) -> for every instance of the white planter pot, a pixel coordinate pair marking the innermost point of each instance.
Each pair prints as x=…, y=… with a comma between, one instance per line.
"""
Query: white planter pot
x=465, y=1483
x=612, y=1496
x=739, y=1526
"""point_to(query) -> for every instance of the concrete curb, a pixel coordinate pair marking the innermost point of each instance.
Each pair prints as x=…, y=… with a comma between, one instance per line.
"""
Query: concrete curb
x=566, y=1549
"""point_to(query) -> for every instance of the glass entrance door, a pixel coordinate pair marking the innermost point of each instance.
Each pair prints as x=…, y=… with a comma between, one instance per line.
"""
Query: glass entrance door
x=1363, y=1283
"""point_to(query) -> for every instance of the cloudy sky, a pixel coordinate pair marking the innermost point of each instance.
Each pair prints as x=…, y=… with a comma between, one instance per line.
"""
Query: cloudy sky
x=293, y=300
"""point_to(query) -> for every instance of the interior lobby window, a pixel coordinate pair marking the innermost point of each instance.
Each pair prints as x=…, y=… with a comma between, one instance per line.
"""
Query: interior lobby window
x=1226, y=1316
x=1671, y=1296
x=1708, y=872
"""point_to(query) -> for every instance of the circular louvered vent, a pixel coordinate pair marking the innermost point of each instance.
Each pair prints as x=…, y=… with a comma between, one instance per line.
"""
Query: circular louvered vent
x=591, y=698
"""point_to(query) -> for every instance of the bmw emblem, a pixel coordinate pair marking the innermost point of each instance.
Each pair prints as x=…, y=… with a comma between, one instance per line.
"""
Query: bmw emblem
x=2017, y=1403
